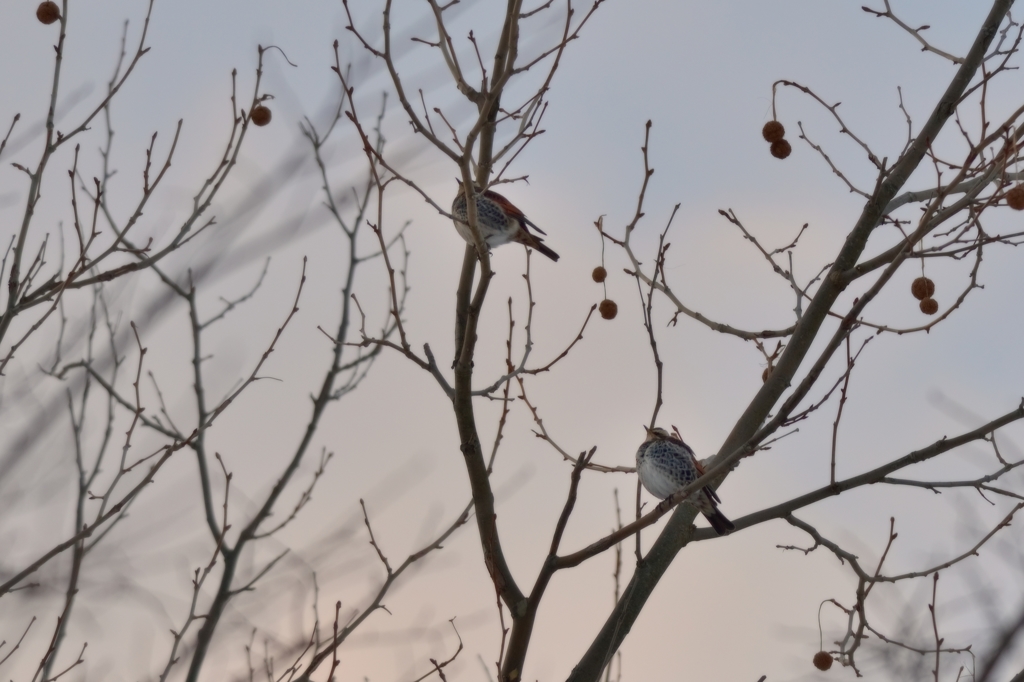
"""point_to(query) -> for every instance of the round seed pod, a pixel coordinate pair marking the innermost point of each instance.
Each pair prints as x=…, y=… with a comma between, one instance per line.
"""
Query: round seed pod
x=608, y=309
x=260, y=115
x=773, y=131
x=781, y=149
x=922, y=288
x=1015, y=198
x=822, y=661
x=47, y=12
x=929, y=306
x=599, y=274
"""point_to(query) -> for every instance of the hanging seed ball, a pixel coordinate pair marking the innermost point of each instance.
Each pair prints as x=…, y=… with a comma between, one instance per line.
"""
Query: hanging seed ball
x=922, y=288
x=822, y=661
x=47, y=12
x=929, y=306
x=781, y=149
x=1015, y=198
x=599, y=274
x=260, y=115
x=773, y=131
x=765, y=374
x=608, y=309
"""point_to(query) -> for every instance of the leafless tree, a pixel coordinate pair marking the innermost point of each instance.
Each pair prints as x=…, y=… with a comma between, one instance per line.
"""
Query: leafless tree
x=90, y=348
x=944, y=219
x=933, y=198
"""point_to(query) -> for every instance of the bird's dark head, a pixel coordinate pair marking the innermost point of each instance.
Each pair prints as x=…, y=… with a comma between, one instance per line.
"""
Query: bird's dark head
x=657, y=433
x=461, y=185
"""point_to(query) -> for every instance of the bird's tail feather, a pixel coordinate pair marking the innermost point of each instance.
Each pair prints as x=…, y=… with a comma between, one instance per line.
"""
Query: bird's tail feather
x=534, y=242
x=545, y=250
x=718, y=520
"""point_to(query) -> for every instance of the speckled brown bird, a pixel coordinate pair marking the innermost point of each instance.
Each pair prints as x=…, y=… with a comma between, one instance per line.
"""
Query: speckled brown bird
x=500, y=222
x=666, y=464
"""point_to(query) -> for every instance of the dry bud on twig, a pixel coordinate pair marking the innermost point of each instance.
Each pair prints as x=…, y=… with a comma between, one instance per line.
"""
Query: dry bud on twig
x=1015, y=198
x=922, y=288
x=609, y=309
x=47, y=12
x=260, y=115
x=773, y=131
x=781, y=149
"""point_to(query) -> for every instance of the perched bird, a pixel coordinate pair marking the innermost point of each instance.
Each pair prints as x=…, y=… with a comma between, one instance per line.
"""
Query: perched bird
x=666, y=464
x=500, y=222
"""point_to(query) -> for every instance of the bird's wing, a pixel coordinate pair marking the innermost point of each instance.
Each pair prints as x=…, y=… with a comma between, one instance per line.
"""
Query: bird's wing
x=680, y=442
x=712, y=495
x=700, y=472
x=511, y=209
x=527, y=221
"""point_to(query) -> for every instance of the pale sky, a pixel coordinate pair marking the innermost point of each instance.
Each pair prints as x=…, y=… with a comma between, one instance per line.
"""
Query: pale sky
x=732, y=609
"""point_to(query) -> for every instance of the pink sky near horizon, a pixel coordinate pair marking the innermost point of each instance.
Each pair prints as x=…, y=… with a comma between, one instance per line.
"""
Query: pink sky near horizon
x=732, y=609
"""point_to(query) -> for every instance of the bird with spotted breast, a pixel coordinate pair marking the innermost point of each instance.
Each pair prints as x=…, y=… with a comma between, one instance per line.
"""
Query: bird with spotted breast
x=665, y=464
x=500, y=222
